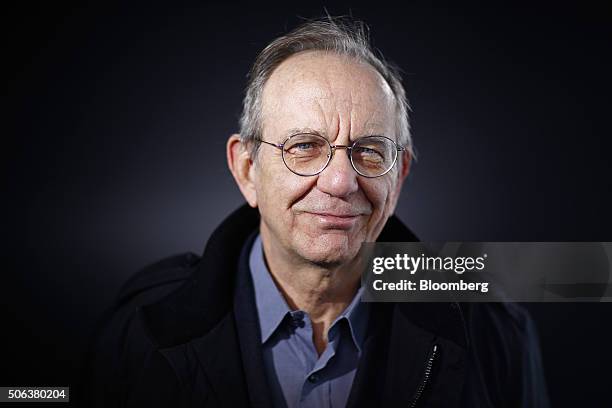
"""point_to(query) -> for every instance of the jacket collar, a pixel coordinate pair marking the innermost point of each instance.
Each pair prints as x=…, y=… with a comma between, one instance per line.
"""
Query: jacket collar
x=206, y=297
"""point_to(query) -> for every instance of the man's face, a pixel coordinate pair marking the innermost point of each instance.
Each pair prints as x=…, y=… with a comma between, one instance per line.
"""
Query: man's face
x=324, y=218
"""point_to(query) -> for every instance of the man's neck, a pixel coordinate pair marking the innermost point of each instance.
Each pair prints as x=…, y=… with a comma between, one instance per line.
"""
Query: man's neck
x=322, y=292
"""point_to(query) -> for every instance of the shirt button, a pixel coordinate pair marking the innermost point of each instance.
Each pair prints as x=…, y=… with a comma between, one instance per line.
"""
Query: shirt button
x=313, y=378
x=297, y=320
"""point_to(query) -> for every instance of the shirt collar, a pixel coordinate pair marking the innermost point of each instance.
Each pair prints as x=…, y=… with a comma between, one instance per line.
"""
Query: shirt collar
x=272, y=307
x=356, y=315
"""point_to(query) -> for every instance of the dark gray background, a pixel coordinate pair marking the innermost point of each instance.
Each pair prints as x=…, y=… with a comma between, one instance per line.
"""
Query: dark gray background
x=118, y=116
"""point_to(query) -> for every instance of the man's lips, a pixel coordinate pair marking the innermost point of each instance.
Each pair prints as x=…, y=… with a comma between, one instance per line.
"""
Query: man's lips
x=336, y=215
x=327, y=220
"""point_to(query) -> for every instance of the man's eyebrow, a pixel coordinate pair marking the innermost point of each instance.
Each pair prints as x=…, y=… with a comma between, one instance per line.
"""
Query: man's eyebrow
x=370, y=131
x=297, y=131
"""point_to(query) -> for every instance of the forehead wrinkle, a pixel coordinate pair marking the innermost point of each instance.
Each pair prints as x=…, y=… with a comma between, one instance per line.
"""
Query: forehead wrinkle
x=370, y=124
x=321, y=113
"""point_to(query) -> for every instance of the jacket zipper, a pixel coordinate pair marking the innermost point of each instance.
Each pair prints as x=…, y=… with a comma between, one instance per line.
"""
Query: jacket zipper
x=426, y=376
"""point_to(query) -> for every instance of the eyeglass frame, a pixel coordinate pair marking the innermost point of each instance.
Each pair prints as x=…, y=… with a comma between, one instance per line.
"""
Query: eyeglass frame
x=349, y=152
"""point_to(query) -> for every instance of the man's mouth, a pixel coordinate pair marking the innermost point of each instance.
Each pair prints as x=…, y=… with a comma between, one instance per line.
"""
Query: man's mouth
x=334, y=220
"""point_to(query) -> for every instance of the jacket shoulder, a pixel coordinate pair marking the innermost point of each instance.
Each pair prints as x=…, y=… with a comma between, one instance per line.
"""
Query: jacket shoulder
x=153, y=281
x=121, y=347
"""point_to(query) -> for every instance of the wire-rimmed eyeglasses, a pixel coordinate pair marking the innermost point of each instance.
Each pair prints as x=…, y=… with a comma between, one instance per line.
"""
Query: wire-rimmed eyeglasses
x=307, y=154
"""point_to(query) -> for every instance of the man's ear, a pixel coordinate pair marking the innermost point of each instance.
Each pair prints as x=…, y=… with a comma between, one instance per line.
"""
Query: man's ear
x=406, y=160
x=241, y=166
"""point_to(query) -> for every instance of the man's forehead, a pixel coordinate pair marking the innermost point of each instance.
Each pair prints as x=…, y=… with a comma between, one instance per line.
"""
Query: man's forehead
x=315, y=90
x=327, y=76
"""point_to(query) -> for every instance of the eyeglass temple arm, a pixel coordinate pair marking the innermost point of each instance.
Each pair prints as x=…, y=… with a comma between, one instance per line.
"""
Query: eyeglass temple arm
x=278, y=146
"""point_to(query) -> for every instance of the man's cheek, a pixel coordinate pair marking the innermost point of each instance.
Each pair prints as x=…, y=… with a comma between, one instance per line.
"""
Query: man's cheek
x=388, y=198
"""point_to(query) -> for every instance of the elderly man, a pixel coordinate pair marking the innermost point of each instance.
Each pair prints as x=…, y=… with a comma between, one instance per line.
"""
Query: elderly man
x=270, y=315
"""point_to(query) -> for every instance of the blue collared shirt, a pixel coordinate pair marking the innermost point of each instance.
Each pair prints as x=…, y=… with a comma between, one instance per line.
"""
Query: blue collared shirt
x=297, y=375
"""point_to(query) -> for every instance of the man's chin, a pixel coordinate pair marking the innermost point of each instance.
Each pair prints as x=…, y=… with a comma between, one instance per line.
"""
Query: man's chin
x=330, y=250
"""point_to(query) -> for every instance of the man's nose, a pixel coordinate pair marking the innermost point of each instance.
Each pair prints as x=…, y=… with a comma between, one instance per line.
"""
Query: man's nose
x=339, y=179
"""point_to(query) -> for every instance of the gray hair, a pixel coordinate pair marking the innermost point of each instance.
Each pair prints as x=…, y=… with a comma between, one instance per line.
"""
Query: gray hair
x=339, y=35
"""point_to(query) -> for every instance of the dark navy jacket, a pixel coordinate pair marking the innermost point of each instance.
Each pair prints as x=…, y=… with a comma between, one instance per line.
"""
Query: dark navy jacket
x=184, y=333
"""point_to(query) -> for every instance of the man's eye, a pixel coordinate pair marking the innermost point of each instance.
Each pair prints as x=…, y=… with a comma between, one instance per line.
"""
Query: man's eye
x=369, y=154
x=365, y=150
x=304, y=146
